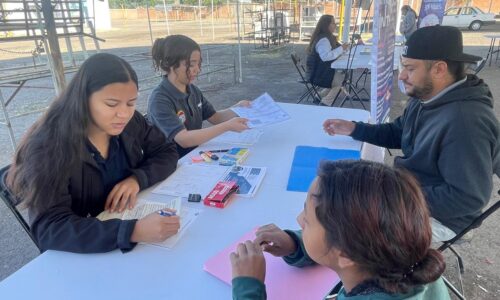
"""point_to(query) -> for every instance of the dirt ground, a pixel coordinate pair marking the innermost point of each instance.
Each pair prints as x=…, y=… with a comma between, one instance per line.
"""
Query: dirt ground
x=262, y=70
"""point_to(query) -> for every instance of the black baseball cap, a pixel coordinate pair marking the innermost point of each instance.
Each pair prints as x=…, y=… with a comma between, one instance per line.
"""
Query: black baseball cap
x=438, y=43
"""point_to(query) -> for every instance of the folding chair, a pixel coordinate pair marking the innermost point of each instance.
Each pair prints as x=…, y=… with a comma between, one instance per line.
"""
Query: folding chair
x=480, y=66
x=311, y=89
x=11, y=202
x=448, y=245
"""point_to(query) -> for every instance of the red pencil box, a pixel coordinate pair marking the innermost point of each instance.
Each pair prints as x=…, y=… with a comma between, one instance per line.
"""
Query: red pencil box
x=220, y=194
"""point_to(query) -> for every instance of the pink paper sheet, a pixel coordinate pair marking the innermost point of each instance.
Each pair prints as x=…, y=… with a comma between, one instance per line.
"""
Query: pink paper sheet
x=282, y=281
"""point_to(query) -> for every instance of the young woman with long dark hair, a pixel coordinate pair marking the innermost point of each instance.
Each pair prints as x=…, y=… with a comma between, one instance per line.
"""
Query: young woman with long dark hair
x=177, y=106
x=89, y=152
x=366, y=221
x=323, y=49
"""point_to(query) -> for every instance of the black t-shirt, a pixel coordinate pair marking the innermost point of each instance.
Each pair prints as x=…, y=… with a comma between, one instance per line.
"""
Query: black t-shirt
x=113, y=169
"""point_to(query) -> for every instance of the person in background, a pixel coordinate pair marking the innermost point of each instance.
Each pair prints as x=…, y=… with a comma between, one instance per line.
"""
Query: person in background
x=177, y=106
x=92, y=151
x=448, y=132
x=367, y=222
x=408, y=21
x=323, y=49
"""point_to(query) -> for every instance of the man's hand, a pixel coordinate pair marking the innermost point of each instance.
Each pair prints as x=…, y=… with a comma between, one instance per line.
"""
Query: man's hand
x=337, y=126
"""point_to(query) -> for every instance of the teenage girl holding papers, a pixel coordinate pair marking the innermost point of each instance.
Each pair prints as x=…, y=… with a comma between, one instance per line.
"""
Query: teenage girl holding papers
x=177, y=106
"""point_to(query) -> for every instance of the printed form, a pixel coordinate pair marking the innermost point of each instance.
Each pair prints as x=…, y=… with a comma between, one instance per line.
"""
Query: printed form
x=263, y=111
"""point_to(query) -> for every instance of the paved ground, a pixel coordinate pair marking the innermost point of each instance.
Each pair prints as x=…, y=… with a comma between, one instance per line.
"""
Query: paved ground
x=270, y=71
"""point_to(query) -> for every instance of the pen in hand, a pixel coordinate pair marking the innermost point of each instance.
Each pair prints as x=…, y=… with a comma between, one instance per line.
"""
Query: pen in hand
x=166, y=213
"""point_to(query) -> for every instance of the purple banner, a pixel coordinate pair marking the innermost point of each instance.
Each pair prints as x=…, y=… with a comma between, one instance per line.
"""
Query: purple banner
x=384, y=34
x=431, y=13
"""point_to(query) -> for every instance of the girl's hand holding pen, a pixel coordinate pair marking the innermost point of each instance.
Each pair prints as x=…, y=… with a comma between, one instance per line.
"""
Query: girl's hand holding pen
x=156, y=227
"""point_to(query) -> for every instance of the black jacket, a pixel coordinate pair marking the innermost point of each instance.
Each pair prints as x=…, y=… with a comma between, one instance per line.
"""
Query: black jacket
x=451, y=145
x=70, y=224
x=319, y=73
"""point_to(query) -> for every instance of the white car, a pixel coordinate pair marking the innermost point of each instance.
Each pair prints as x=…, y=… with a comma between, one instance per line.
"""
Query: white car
x=467, y=17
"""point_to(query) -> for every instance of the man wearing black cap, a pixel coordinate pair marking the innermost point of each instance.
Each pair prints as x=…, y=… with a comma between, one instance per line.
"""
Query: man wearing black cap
x=448, y=133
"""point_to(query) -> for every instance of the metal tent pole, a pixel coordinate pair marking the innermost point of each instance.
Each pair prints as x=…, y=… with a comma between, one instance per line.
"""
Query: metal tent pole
x=166, y=17
x=240, y=77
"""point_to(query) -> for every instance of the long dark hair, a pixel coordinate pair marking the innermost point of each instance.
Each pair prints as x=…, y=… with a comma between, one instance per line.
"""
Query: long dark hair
x=170, y=51
x=407, y=8
x=377, y=215
x=54, y=145
x=321, y=31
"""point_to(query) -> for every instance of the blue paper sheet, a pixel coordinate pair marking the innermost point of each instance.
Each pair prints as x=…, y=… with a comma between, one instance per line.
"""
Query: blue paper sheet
x=306, y=161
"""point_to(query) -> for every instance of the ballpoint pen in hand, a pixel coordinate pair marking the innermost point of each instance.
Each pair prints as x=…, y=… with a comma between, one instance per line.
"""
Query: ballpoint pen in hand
x=166, y=213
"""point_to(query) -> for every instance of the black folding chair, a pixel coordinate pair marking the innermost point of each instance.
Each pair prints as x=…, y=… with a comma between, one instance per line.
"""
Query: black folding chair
x=480, y=66
x=311, y=89
x=449, y=245
x=11, y=202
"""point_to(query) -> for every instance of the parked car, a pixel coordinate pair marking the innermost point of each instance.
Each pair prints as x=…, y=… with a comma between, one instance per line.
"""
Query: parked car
x=467, y=17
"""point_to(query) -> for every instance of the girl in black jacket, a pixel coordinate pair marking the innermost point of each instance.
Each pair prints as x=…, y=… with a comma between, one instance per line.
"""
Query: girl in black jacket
x=89, y=152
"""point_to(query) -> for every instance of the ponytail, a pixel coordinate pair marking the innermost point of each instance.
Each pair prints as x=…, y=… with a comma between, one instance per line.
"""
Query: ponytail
x=157, y=53
x=428, y=270
x=168, y=52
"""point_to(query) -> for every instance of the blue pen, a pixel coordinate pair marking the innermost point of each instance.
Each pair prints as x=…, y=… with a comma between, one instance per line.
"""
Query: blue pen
x=166, y=213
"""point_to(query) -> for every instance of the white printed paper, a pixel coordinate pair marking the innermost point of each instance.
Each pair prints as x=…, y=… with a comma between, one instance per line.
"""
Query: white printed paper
x=247, y=178
x=142, y=209
x=187, y=216
x=263, y=111
x=246, y=138
x=191, y=179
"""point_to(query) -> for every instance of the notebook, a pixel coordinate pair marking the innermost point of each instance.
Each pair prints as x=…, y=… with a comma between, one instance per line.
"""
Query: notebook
x=282, y=281
x=306, y=161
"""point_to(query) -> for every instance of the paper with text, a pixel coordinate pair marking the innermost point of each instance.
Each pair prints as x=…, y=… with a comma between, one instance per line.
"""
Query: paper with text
x=263, y=111
x=142, y=209
x=186, y=215
x=247, y=137
x=191, y=179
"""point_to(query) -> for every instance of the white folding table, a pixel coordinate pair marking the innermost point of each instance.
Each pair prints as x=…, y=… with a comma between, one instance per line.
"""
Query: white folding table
x=149, y=272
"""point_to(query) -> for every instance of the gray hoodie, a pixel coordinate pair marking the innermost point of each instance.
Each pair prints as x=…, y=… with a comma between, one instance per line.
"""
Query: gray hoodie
x=451, y=145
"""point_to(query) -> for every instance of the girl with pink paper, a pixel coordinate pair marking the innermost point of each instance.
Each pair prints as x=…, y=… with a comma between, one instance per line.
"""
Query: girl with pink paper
x=367, y=222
